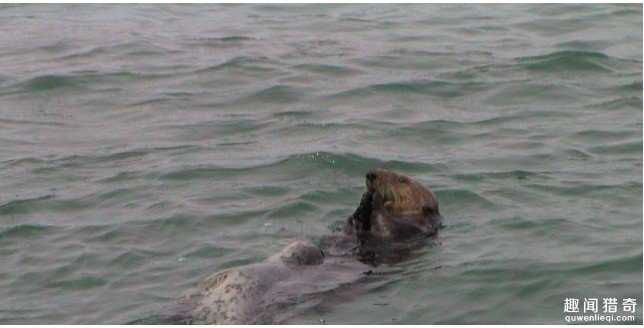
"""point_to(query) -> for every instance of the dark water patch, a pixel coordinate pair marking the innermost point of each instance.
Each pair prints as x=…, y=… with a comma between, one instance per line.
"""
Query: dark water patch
x=109, y=159
x=119, y=193
x=231, y=41
x=535, y=93
x=550, y=27
x=619, y=103
x=207, y=252
x=133, y=258
x=109, y=234
x=21, y=162
x=413, y=168
x=127, y=49
x=564, y=61
x=521, y=115
x=82, y=283
x=77, y=81
x=632, y=263
x=173, y=224
x=598, y=136
x=234, y=38
x=635, y=86
x=268, y=191
x=121, y=177
x=50, y=204
x=234, y=218
x=538, y=226
x=193, y=173
x=421, y=132
x=280, y=94
x=26, y=231
x=15, y=122
x=434, y=88
x=294, y=114
x=583, y=46
x=22, y=206
x=329, y=70
x=621, y=148
x=48, y=82
x=244, y=63
x=406, y=62
x=507, y=175
x=85, y=53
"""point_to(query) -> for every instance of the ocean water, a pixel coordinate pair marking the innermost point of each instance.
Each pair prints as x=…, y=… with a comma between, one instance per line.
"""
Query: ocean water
x=143, y=147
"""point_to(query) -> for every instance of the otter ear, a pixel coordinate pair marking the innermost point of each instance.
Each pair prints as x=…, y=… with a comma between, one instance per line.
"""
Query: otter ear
x=402, y=179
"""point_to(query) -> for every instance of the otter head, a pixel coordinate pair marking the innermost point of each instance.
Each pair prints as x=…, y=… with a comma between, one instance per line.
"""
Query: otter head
x=400, y=206
x=300, y=252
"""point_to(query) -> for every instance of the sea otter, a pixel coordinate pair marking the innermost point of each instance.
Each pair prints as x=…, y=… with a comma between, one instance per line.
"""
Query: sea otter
x=395, y=207
x=259, y=293
x=394, y=215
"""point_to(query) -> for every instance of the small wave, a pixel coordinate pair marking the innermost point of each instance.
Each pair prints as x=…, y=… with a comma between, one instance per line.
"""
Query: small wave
x=207, y=252
x=267, y=191
x=281, y=94
x=81, y=283
x=569, y=60
x=41, y=123
x=76, y=81
x=49, y=82
x=296, y=209
x=25, y=231
x=240, y=62
x=594, y=136
x=623, y=148
x=622, y=264
x=21, y=206
x=521, y=223
x=620, y=103
x=83, y=160
x=325, y=69
x=513, y=174
x=522, y=94
x=430, y=88
x=133, y=258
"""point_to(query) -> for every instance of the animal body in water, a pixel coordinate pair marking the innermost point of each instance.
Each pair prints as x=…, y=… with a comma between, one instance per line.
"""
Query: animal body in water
x=394, y=214
x=259, y=293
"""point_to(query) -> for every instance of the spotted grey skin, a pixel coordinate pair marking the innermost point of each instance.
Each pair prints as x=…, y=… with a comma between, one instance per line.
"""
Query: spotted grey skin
x=394, y=207
x=259, y=293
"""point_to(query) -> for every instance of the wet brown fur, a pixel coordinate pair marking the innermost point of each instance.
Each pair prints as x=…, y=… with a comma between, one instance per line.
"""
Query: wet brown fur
x=394, y=207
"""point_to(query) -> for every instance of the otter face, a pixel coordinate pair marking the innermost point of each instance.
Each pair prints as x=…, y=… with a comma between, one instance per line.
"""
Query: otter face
x=399, y=194
x=400, y=205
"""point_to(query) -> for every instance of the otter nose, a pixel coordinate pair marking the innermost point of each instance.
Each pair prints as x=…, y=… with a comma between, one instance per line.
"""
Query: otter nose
x=371, y=176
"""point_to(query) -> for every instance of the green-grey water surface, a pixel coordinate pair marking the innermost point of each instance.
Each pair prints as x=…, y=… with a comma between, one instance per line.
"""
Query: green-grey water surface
x=143, y=147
